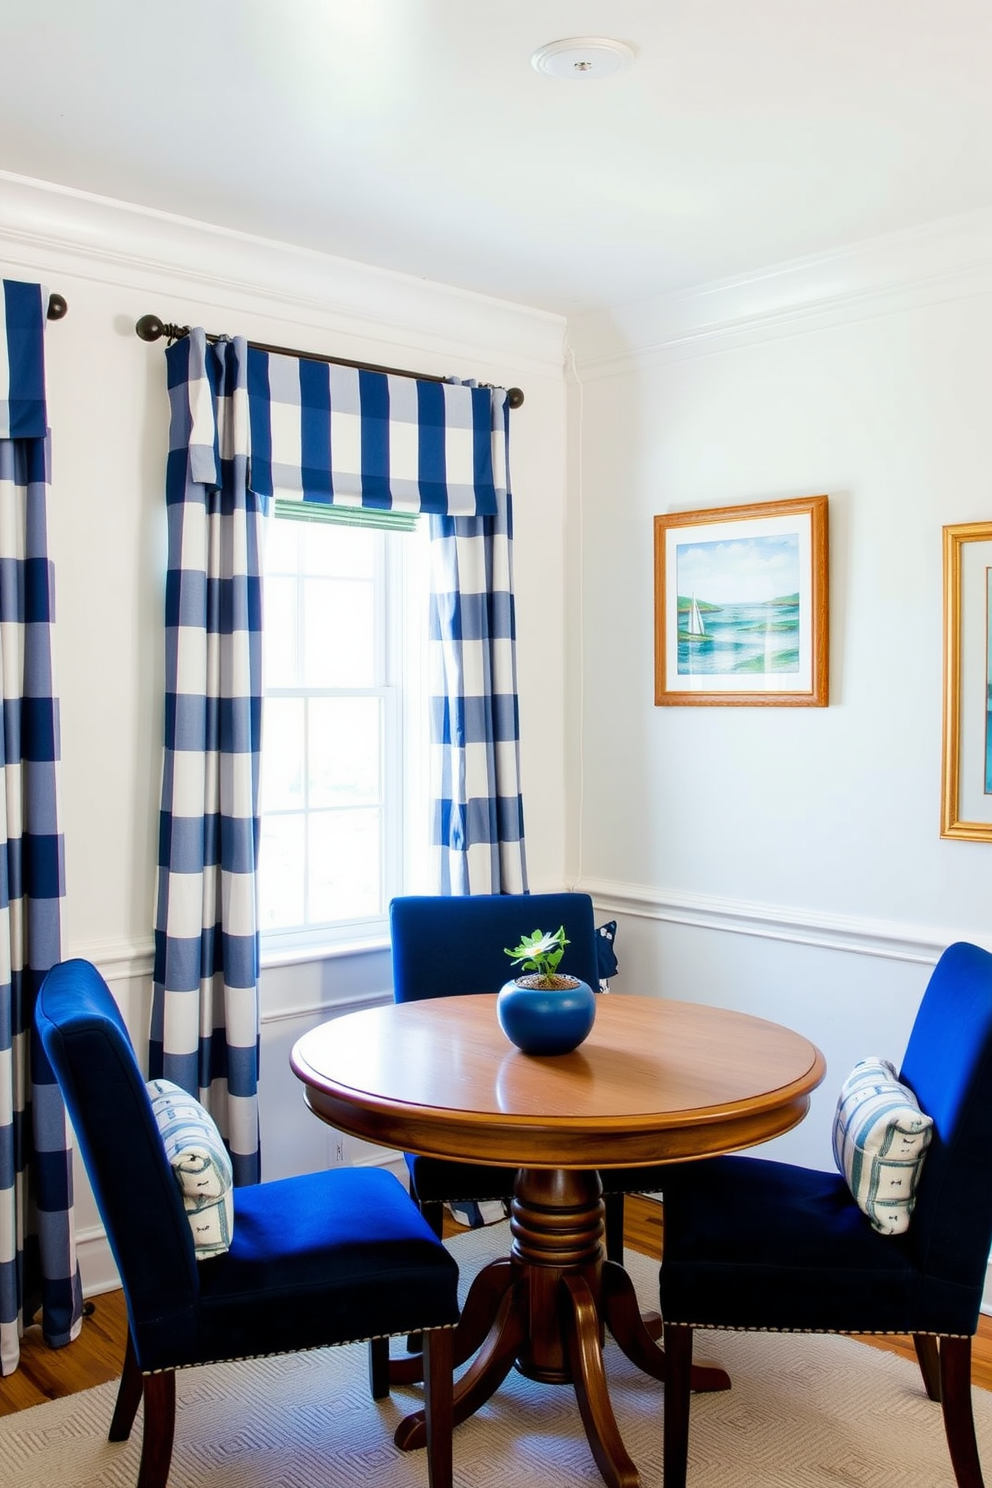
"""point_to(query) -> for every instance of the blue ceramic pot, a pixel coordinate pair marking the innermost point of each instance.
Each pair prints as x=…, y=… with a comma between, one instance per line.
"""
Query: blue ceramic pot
x=546, y=1020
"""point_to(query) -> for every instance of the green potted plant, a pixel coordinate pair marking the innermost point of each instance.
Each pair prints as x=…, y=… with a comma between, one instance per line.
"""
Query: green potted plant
x=543, y=1010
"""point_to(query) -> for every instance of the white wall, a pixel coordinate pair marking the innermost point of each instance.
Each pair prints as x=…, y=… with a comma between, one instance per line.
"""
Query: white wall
x=108, y=410
x=785, y=860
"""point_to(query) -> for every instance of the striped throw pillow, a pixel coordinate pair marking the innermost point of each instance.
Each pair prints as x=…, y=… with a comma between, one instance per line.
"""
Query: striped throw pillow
x=201, y=1165
x=880, y=1139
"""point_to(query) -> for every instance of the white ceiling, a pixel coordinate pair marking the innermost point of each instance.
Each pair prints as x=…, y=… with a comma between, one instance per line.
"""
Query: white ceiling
x=415, y=135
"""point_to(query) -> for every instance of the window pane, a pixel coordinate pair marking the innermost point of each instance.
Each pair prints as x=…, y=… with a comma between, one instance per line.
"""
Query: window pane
x=279, y=633
x=339, y=632
x=280, y=872
x=345, y=872
x=281, y=547
x=341, y=552
x=345, y=751
x=282, y=754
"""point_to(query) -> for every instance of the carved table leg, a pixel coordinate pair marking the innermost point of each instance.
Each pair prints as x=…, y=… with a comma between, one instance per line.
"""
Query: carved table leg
x=622, y=1315
x=586, y=1355
x=478, y=1315
x=483, y=1377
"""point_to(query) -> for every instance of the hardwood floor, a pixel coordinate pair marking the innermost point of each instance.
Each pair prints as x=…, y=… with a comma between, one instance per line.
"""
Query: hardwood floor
x=92, y=1359
x=95, y=1357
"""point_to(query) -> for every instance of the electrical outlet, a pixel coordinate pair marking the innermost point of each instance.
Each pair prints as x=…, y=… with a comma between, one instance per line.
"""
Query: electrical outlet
x=338, y=1152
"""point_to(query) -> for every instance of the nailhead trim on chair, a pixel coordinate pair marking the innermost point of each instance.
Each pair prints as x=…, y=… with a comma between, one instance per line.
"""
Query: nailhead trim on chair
x=826, y=1332
x=313, y=1349
x=491, y=1199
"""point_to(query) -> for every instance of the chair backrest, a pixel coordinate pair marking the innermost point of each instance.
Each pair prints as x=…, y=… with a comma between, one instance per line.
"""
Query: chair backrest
x=88, y=1047
x=948, y=1065
x=450, y=944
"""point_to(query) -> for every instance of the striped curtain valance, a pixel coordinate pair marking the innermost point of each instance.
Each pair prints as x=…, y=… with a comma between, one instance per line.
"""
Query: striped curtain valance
x=348, y=437
x=23, y=414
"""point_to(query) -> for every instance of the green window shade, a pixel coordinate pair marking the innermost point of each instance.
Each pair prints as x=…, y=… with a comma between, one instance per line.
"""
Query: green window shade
x=346, y=516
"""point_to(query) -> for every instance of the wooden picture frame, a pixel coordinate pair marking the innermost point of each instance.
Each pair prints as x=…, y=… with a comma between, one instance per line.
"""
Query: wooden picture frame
x=741, y=615
x=966, y=771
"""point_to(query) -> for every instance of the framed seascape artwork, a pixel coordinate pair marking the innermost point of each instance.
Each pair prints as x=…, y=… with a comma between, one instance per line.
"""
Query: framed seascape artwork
x=741, y=605
x=966, y=777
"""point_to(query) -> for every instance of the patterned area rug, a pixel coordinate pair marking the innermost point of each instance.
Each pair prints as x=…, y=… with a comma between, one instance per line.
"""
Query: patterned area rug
x=804, y=1412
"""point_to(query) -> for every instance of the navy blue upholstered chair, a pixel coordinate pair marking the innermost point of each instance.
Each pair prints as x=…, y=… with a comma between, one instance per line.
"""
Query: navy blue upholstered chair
x=326, y=1258
x=449, y=945
x=755, y=1244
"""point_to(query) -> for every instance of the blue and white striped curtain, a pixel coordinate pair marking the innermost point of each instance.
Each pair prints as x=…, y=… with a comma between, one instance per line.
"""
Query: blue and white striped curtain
x=343, y=436
x=204, y=1032
x=478, y=835
x=336, y=434
x=248, y=426
x=37, y=1243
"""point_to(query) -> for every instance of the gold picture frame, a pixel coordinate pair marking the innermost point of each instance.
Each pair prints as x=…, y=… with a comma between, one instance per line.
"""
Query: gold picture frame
x=966, y=768
x=741, y=613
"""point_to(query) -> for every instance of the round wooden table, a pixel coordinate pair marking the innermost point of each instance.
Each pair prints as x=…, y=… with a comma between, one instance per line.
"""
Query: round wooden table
x=655, y=1081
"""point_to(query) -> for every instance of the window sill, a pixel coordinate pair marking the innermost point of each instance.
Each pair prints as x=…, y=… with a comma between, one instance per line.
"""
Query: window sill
x=332, y=950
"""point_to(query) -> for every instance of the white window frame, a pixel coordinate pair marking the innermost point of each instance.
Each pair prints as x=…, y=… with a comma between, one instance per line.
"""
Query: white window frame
x=401, y=600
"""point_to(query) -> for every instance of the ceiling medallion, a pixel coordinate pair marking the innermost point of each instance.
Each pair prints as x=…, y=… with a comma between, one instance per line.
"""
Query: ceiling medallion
x=582, y=57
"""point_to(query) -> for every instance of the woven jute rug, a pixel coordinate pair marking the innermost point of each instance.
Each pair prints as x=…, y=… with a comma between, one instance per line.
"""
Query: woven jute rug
x=803, y=1412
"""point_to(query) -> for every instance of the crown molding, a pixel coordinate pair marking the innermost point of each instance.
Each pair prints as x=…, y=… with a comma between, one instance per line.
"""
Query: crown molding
x=940, y=262
x=893, y=941
x=59, y=229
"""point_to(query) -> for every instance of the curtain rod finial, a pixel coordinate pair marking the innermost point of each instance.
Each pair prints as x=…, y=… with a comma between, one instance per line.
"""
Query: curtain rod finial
x=57, y=307
x=514, y=397
x=149, y=328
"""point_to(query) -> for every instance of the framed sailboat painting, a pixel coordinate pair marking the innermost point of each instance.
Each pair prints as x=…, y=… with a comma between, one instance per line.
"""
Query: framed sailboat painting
x=741, y=605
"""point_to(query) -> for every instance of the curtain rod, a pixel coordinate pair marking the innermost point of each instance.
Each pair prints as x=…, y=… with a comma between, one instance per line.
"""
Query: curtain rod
x=151, y=328
x=57, y=307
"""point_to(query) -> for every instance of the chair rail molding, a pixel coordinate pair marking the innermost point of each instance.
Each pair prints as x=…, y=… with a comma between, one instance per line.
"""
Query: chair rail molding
x=117, y=960
x=133, y=961
x=891, y=940
x=946, y=260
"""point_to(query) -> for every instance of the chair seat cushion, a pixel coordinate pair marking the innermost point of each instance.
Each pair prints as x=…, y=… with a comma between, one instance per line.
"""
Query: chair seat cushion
x=750, y=1243
x=319, y=1259
x=435, y=1178
x=635, y=1180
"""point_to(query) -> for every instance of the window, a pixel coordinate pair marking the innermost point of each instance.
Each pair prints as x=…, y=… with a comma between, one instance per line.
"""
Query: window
x=344, y=799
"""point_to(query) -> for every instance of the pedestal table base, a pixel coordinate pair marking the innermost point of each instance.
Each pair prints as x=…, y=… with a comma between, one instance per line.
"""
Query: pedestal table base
x=544, y=1309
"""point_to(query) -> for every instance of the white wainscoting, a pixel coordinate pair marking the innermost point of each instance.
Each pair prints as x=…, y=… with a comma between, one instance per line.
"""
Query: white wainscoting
x=830, y=977
x=296, y=998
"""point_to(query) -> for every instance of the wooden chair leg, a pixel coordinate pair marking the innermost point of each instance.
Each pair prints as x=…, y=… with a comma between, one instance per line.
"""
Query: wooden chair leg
x=678, y=1364
x=928, y=1356
x=128, y=1395
x=613, y=1204
x=379, y=1368
x=959, y=1423
x=433, y=1212
x=439, y=1405
x=159, y=1429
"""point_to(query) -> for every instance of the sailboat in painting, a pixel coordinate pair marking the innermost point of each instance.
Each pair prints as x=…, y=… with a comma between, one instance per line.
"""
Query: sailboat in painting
x=695, y=629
